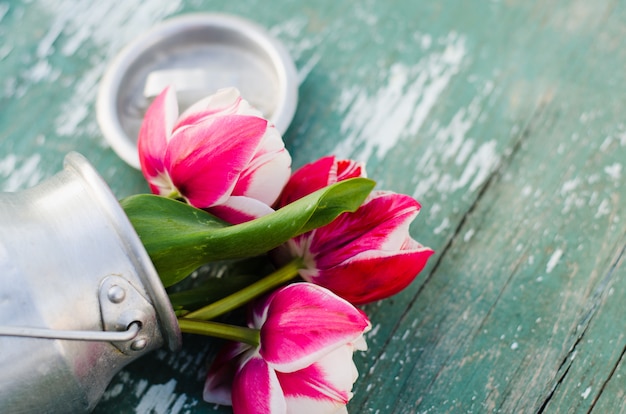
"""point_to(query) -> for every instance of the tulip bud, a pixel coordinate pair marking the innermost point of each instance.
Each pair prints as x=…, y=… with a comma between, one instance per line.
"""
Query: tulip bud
x=220, y=155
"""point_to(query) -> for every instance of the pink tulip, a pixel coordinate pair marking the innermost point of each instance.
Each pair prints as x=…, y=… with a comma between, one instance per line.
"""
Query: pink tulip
x=362, y=256
x=220, y=155
x=304, y=361
x=319, y=174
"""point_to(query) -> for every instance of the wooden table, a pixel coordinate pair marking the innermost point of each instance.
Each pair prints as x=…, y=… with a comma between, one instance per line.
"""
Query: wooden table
x=506, y=119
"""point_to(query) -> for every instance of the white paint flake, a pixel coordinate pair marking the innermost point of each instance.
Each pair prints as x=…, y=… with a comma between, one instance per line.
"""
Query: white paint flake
x=554, y=260
x=304, y=71
x=19, y=173
x=614, y=171
x=603, y=209
x=108, y=28
x=586, y=393
x=161, y=399
x=606, y=144
x=114, y=391
x=445, y=224
x=570, y=185
x=479, y=166
x=451, y=143
x=375, y=123
x=425, y=40
x=514, y=346
x=571, y=197
x=301, y=48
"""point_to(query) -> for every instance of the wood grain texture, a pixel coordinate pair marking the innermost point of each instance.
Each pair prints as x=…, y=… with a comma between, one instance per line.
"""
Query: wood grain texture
x=504, y=118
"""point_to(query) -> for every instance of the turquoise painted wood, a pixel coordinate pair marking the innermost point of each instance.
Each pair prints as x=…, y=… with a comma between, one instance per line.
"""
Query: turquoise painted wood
x=504, y=118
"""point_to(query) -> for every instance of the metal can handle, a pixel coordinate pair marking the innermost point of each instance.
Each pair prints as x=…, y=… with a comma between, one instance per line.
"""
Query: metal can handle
x=107, y=336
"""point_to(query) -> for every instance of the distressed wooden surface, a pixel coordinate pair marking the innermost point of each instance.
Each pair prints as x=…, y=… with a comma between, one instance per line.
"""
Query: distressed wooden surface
x=505, y=118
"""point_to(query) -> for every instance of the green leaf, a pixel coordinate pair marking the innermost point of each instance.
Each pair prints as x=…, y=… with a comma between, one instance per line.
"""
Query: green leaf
x=180, y=238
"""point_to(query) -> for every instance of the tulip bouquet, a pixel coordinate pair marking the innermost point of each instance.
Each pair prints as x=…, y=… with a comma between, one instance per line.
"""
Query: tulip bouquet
x=223, y=191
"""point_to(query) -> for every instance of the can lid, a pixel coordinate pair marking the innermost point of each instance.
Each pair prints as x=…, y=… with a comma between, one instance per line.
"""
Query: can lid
x=198, y=53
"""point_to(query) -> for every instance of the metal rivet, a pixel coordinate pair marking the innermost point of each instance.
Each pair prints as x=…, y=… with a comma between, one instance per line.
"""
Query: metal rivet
x=116, y=294
x=139, y=344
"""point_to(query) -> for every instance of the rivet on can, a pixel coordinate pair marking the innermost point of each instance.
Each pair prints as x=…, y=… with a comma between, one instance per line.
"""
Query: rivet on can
x=116, y=294
x=139, y=344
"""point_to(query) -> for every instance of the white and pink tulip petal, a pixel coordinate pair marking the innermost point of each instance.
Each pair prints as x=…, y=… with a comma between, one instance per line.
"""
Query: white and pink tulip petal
x=221, y=374
x=267, y=172
x=305, y=322
x=225, y=101
x=218, y=148
x=362, y=256
x=206, y=171
x=374, y=275
x=327, y=382
x=319, y=174
x=256, y=389
x=155, y=133
x=381, y=223
x=238, y=209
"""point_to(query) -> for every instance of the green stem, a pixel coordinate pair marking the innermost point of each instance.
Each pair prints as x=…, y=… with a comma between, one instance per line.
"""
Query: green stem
x=175, y=195
x=220, y=330
x=256, y=289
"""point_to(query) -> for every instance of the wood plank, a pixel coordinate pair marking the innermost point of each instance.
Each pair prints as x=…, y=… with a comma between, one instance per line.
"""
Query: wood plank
x=493, y=324
x=590, y=372
x=504, y=309
x=608, y=396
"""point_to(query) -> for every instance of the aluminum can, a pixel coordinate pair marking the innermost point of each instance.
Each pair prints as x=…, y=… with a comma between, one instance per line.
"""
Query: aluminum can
x=73, y=267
